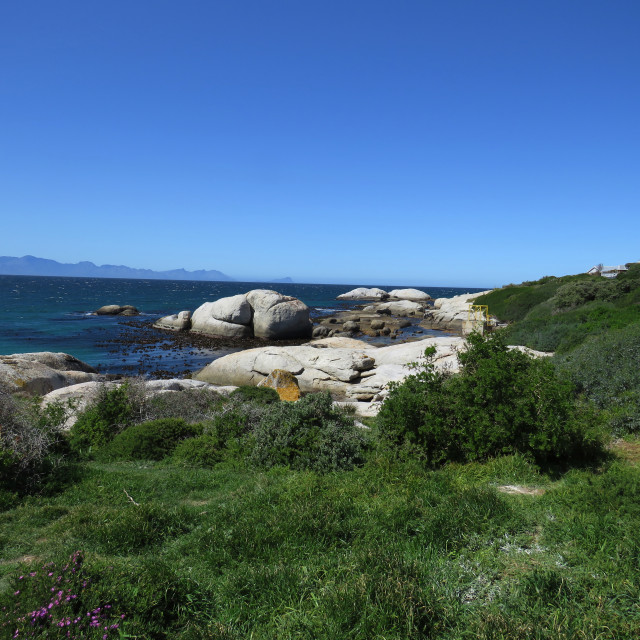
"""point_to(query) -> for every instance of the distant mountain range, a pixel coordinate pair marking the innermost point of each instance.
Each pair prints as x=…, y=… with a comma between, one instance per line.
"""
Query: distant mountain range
x=32, y=266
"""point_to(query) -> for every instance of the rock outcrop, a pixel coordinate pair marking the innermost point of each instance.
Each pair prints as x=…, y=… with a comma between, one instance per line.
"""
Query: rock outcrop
x=278, y=316
x=349, y=369
x=362, y=293
x=401, y=308
x=450, y=313
x=414, y=295
x=117, y=310
x=204, y=321
x=176, y=322
x=261, y=313
x=41, y=372
x=284, y=383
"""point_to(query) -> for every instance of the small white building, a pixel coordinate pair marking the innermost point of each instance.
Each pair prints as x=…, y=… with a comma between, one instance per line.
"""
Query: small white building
x=608, y=272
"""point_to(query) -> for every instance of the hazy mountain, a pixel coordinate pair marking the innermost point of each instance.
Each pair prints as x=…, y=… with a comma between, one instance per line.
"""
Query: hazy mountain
x=281, y=280
x=32, y=266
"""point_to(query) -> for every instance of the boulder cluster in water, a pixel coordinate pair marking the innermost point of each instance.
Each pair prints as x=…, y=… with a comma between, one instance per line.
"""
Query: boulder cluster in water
x=352, y=370
x=260, y=313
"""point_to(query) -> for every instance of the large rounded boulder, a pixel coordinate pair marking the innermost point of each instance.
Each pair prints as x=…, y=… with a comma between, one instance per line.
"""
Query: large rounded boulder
x=204, y=321
x=261, y=313
x=278, y=316
x=41, y=372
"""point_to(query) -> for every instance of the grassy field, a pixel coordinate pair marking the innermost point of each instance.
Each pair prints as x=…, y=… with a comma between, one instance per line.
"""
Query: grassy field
x=388, y=550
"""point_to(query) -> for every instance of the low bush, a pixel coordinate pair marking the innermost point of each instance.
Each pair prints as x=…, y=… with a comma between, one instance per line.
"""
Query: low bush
x=259, y=395
x=192, y=405
x=513, y=303
x=110, y=412
x=605, y=369
x=153, y=440
x=576, y=294
x=562, y=332
x=202, y=451
x=308, y=434
x=559, y=314
x=32, y=448
x=503, y=402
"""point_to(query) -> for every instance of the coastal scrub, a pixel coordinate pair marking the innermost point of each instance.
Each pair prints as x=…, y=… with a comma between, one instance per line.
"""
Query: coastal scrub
x=502, y=402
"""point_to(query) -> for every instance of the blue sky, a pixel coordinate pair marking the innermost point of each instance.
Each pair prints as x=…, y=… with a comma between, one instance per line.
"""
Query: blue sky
x=414, y=142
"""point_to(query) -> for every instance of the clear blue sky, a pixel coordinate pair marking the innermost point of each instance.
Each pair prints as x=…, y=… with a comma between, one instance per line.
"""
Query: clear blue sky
x=410, y=142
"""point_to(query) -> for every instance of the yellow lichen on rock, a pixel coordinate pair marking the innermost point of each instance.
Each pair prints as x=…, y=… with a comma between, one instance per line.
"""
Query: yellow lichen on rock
x=284, y=382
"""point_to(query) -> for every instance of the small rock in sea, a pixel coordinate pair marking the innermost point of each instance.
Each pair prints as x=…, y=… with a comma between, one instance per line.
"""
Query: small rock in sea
x=117, y=310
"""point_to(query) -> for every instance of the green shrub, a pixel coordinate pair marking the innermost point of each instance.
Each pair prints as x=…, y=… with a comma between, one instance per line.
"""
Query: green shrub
x=576, y=294
x=193, y=405
x=513, y=303
x=503, y=402
x=201, y=451
x=153, y=440
x=259, y=395
x=559, y=314
x=32, y=448
x=605, y=368
x=232, y=422
x=106, y=416
x=308, y=434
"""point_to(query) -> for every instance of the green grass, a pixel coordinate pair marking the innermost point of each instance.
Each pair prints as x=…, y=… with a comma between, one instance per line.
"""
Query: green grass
x=389, y=550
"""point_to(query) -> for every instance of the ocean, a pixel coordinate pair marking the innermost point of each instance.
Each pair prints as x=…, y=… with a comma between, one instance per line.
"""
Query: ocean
x=39, y=313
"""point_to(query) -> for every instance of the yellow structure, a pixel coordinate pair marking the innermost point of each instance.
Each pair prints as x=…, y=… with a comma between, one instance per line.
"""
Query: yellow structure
x=477, y=319
x=478, y=313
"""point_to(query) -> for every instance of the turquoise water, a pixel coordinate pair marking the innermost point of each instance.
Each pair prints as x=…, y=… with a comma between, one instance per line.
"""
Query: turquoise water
x=55, y=314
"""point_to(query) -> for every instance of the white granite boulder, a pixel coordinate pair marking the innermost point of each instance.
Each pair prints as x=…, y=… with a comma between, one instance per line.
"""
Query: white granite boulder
x=117, y=310
x=261, y=313
x=364, y=293
x=400, y=308
x=278, y=316
x=452, y=312
x=350, y=369
x=203, y=321
x=41, y=372
x=410, y=294
x=176, y=322
x=234, y=309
